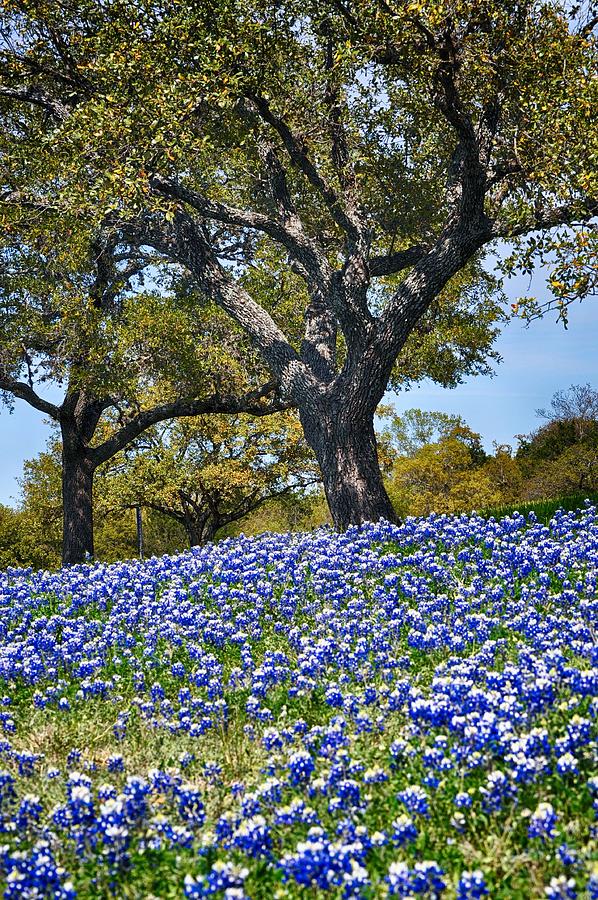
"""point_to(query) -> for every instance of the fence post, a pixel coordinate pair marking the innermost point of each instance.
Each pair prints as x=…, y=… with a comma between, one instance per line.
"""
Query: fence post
x=139, y=531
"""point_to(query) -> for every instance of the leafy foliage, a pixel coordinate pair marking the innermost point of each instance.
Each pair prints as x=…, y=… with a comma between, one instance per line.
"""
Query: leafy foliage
x=443, y=476
x=113, y=116
x=208, y=472
x=561, y=457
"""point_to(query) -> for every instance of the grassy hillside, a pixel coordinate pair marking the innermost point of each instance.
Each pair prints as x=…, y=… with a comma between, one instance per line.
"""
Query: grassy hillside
x=403, y=711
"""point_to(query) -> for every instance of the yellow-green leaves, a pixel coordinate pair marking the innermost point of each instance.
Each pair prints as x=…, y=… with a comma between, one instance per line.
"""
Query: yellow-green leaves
x=209, y=471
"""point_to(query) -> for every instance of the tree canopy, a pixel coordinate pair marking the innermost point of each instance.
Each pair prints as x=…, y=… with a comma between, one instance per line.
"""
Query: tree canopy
x=356, y=156
x=561, y=456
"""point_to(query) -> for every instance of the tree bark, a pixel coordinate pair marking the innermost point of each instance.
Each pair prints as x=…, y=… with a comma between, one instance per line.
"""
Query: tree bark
x=77, y=500
x=200, y=532
x=345, y=447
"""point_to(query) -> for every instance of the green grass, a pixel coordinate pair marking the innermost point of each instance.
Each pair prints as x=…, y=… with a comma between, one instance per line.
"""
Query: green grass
x=544, y=509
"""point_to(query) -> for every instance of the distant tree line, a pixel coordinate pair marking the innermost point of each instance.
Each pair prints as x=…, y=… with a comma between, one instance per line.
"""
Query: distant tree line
x=203, y=478
x=441, y=465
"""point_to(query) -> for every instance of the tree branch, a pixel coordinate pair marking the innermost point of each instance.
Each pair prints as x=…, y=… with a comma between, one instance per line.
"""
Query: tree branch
x=300, y=158
x=249, y=403
x=38, y=97
x=390, y=263
x=16, y=198
x=340, y=153
x=467, y=177
x=287, y=232
x=24, y=391
x=184, y=242
x=550, y=218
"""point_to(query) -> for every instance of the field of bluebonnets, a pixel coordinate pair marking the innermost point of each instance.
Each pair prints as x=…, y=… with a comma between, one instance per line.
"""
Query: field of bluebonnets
x=403, y=711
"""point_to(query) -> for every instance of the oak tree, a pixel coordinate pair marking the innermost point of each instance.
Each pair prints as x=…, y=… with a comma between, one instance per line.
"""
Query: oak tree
x=361, y=153
x=38, y=514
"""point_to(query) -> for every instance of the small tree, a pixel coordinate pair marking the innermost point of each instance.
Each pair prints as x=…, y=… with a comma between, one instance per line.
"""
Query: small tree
x=362, y=154
x=11, y=538
x=209, y=472
x=444, y=477
x=574, y=471
x=39, y=514
x=505, y=473
x=561, y=457
x=411, y=430
x=578, y=405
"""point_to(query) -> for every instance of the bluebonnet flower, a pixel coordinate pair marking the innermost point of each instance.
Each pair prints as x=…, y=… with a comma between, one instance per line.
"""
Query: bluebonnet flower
x=542, y=822
x=567, y=764
x=250, y=805
x=212, y=771
x=29, y=812
x=115, y=763
x=7, y=792
x=106, y=792
x=189, y=805
x=403, y=831
x=579, y=732
x=315, y=862
x=567, y=855
x=496, y=790
x=253, y=837
x=348, y=794
x=135, y=798
x=296, y=811
x=119, y=728
x=425, y=878
x=8, y=723
x=472, y=886
x=561, y=888
x=356, y=881
x=35, y=874
x=161, y=782
x=113, y=825
x=270, y=791
x=80, y=806
x=272, y=739
x=415, y=799
x=223, y=876
x=186, y=759
x=334, y=696
x=301, y=767
x=375, y=775
x=26, y=763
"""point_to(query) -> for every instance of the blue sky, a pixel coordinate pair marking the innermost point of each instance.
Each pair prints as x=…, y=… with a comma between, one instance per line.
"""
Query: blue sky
x=537, y=361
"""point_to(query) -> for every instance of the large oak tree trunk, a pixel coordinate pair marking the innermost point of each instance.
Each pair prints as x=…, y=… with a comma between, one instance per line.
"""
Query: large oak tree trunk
x=77, y=502
x=345, y=447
